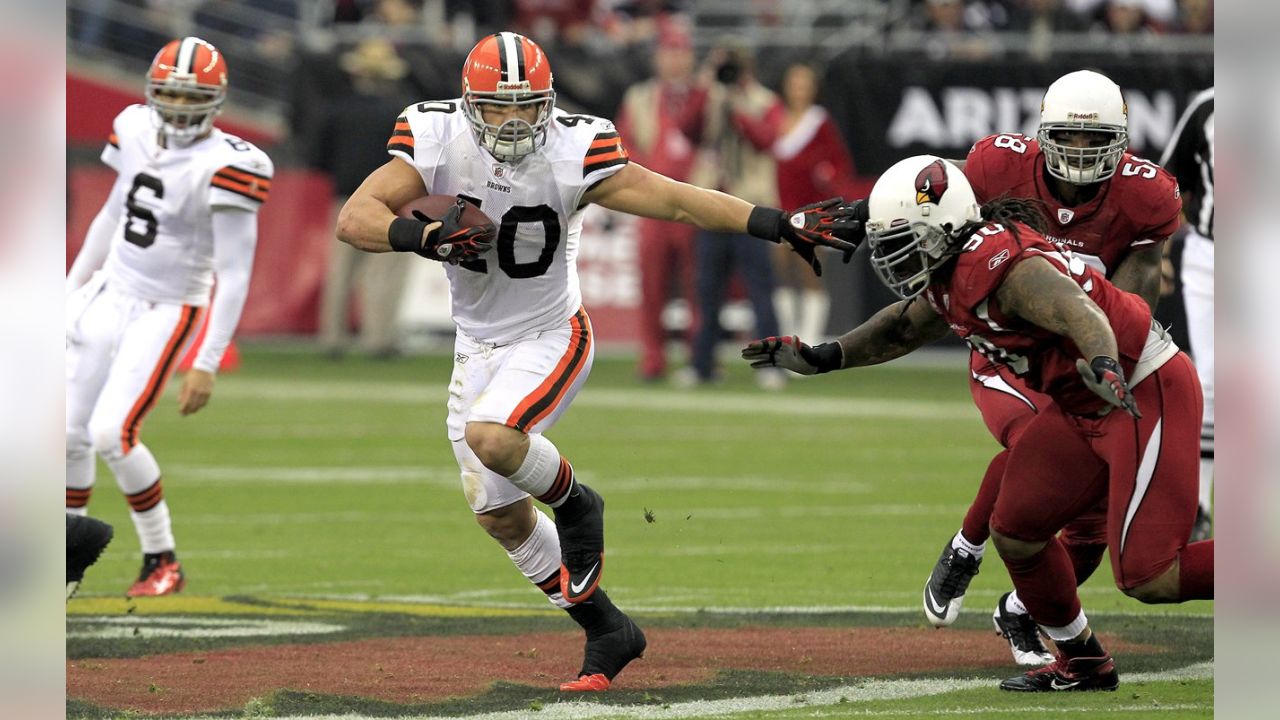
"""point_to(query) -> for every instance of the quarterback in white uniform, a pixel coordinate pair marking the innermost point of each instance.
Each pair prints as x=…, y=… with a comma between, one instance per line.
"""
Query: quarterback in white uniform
x=524, y=343
x=183, y=209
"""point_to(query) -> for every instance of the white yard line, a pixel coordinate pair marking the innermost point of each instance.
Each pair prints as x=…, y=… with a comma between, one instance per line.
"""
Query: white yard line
x=424, y=394
x=844, y=697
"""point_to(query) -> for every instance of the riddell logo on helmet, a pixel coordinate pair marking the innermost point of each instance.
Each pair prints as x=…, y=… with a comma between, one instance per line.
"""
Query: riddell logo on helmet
x=1082, y=117
x=522, y=86
x=931, y=183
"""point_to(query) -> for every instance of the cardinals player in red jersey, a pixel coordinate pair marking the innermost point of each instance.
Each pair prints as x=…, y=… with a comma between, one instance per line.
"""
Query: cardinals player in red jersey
x=1036, y=309
x=1112, y=210
x=524, y=346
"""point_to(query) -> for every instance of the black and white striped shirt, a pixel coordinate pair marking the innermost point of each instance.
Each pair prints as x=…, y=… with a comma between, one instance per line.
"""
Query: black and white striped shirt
x=1189, y=157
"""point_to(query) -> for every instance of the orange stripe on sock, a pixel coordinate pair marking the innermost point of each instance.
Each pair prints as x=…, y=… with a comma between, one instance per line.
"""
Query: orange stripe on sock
x=159, y=376
x=148, y=498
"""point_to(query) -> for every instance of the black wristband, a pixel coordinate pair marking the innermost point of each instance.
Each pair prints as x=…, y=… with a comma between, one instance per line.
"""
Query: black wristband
x=765, y=223
x=1101, y=363
x=405, y=234
x=827, y=357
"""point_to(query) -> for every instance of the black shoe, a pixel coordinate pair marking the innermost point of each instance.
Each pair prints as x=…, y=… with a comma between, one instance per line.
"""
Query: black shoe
x=944, y=593
x=1067, y=674
x=606, y=655
x=581, y=544
x=1203, y=529
x=1023, y=635
x=86, y=539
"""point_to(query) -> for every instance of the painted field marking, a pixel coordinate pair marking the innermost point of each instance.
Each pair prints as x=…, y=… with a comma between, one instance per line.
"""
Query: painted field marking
x=151, y=626
x=1026, y=710
x=871, y=691
x=483, y=599
x=400, y=393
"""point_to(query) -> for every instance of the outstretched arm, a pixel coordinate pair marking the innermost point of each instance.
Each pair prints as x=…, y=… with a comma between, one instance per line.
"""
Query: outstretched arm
x=1037, y=292
x=636, y=190
x=892, y=332
x=97, y=242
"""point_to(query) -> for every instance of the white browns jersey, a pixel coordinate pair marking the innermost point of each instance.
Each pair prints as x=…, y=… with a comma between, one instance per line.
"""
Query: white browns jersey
x=162, y=247
x=528, y=281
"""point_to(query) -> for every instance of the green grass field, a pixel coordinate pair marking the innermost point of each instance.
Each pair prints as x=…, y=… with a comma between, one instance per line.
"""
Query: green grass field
x=309, y=478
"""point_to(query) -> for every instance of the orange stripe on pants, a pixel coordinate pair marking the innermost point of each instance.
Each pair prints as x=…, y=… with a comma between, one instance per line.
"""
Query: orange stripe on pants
x=159, y=376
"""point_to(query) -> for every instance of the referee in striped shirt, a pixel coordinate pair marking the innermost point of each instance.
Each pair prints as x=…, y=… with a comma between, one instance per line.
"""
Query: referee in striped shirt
x=1189, y=157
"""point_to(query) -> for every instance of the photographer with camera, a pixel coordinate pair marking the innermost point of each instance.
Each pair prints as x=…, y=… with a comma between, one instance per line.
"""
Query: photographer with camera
x=732, y=163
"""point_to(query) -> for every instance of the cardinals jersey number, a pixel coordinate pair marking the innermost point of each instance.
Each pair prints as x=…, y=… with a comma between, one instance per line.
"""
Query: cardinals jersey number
x=527, y=282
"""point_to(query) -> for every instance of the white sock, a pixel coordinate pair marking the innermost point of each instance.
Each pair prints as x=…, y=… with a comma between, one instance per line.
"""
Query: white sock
x=814, y=306
x=960, y=543
x=1013, y=605
x=1067, y=632
x=138, y=475
x=155, y=531
x=539, y=556
x=544, y=474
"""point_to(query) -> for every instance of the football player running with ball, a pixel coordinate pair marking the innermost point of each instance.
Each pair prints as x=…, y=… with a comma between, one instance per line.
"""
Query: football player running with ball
x=524, y=343
x=184, y=208
x=989, y=274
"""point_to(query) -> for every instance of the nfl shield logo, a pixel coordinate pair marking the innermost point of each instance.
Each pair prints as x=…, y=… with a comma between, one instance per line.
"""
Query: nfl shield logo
x=1065, y=215
x=497, y=171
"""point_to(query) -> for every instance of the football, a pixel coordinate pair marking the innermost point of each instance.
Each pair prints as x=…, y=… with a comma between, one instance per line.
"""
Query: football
x=433, y=207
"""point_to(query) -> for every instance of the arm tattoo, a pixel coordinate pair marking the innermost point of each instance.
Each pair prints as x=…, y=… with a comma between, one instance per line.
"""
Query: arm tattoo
x=1036, y=292
x=1139, y=273
x=892, y=332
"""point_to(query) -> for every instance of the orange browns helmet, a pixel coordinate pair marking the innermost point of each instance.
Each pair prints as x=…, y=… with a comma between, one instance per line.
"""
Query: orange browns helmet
x=508, y=69
x=186, y=86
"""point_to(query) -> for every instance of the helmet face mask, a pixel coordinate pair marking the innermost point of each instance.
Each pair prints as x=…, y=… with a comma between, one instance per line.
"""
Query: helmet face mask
x=186, y=87
x=1083, y=104
x=508, y=72
x=915, y=211
x=905, y=255
x=513, y=138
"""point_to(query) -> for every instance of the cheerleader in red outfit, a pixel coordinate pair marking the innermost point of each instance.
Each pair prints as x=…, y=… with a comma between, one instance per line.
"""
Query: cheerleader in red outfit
x=813, y=163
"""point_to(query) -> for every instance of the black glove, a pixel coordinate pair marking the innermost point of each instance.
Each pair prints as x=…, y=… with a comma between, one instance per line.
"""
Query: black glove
x=1104, y=377
x=804, y=229
x=789, y=353
x=849, y=223
x=450, y=241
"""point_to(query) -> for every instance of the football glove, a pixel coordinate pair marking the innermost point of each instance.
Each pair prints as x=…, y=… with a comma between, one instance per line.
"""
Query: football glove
x=1104, y=377
x=791, y=354
x=451, y=241
x=849, y=223
x=804, y=229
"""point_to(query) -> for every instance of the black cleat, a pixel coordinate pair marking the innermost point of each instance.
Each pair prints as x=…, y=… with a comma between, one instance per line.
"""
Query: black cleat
x=581, y=546
x=1067, y=675
x=1203, y=529
x=1023, y=635
x=86, y=539
x=606, y=655
x=944, y=592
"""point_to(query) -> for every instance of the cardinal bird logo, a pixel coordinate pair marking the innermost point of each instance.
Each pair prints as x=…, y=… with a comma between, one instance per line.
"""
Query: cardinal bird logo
x=931, y=183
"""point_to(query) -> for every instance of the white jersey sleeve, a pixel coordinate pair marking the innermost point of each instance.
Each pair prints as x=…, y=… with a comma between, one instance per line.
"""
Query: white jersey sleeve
x=242, y=178
x=423, y=131
x=111, y=151
x=588, y=149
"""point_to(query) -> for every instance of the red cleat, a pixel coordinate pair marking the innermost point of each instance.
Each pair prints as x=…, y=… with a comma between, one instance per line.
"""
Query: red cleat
x=161, y=575
x=586, y=683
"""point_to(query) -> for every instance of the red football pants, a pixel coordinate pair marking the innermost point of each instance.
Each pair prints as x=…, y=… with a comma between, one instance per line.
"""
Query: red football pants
x=1008, y=406
x=1147, y=469
x=666, y=267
